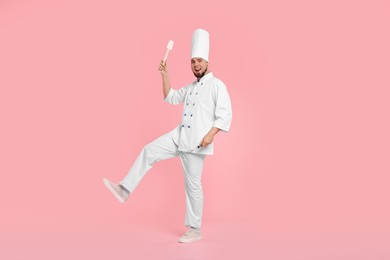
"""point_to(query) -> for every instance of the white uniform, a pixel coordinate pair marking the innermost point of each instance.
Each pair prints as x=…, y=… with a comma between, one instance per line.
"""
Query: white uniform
x=206, y=105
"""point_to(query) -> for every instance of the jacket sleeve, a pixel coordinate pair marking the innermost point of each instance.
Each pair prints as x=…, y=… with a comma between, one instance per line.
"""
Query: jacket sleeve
x=175, y=97
x=223, y=108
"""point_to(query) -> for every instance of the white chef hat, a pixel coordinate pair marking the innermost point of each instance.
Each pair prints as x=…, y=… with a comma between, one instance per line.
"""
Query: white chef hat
x=200, y=44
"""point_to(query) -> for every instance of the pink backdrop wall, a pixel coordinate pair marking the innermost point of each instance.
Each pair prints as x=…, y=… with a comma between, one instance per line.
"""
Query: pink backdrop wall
x=303, y=174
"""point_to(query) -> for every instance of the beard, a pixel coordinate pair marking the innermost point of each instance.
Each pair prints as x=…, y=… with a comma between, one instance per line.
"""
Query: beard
x=200, y=74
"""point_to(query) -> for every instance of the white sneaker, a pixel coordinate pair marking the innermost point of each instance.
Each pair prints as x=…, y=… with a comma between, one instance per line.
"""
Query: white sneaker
x=191, y=235
x=120, y=193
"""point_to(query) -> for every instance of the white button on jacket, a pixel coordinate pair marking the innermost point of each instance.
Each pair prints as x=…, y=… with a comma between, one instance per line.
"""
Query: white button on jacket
x=206, y=105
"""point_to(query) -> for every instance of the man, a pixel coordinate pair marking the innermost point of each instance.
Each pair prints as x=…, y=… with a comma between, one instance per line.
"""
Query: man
x=207, y=110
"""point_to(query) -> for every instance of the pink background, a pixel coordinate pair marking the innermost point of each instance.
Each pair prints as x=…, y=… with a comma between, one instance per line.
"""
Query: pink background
x=303, y=174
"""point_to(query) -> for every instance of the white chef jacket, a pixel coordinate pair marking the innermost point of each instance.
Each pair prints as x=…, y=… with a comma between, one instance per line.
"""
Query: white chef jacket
x=206, y=105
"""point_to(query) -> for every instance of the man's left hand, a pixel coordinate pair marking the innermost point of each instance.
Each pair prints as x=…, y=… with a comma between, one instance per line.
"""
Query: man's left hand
x=208, y=139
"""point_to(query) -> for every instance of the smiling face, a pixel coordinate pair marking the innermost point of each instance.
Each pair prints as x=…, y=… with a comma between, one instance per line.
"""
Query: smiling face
x=199, y=67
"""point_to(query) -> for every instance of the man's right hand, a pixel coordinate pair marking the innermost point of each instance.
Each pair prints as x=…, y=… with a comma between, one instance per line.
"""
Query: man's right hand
x=163, y=68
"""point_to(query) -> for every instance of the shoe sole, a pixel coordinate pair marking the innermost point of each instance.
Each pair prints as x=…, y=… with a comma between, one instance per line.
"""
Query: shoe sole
x=113, y=191
x=190, y=241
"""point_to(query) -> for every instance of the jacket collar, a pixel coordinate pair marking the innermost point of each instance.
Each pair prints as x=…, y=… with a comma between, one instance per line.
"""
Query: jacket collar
x=205, y=77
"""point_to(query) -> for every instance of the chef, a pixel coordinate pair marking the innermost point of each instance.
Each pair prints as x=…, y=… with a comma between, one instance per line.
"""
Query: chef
x=206, y=111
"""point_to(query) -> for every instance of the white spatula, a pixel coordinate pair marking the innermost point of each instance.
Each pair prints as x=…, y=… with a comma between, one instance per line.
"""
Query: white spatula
x=169, y=48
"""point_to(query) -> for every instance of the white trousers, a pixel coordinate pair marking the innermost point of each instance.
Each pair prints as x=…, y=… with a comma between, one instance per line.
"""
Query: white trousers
x=164, y=148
